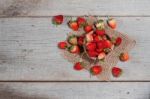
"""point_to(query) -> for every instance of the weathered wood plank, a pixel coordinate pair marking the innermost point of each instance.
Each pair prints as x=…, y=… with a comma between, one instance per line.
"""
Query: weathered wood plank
x=74, y=7
x=76, y=90
x=28, y=50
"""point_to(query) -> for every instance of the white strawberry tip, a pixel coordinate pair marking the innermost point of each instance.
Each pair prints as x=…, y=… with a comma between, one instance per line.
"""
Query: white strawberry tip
x=89, y=37
x=112, y=23
x=112, y=47
x=101, y=56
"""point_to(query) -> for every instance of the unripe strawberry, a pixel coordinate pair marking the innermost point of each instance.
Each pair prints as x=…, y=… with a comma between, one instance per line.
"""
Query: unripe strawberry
x=100, y=24
x=74, y=49
x=72, y=40
x=89, y=37
x=112, y=23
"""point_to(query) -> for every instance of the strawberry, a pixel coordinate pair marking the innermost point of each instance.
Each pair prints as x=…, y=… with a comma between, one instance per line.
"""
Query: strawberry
x=118, y=41
x=80, y=40
x=95, y=70
x=81, y=21
x=91, y=46
x=101, y=55
x=100, y=44
x=73, y=25
x=100, y=24
x=124, y=57
x=100, y=32
x=74, y=49
x=99, y=50
x=94, y=34
x=72, y=40
x=89, y=37
x=97, y=38
x=92, y=53
x=78, y=66
x=112, y=23
x=62, y=45
x=107, y=44
x=88, y=28
x=58, y=19
x=116, y=72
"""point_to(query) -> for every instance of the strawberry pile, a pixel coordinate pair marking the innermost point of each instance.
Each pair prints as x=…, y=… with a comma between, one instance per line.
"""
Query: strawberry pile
x=93, y=42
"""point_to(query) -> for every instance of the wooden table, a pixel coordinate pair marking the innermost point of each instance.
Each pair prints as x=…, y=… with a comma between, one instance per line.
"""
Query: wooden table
x=31, y=66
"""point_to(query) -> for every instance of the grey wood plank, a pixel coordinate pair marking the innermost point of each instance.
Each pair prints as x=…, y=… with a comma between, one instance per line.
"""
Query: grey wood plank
x=74, y=7
x=76, y=90
x=28, y=50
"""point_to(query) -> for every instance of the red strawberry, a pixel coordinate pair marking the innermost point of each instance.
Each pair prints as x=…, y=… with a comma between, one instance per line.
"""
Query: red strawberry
x=112, y=23
x=98, y=50
x=124, y=57
x=74, y=49
x=92, y=53
x=80, y=40
x=107, y=43
x=88, y=28
x=91, y=46
x=57, y=19
x=100, y=24
x=78, y=66
x=72, y=40
x=81, y=21
x=62, y=45
x=100, y=44
x=100, y=32
x=116, y=72
x=95, y=70
x=97, y=38
x=118, y=41
x=73, y=25
x=101, y=55
x=94, y=35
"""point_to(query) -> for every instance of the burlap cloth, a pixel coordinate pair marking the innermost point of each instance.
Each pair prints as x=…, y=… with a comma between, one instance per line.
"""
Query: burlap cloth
x=110, y=60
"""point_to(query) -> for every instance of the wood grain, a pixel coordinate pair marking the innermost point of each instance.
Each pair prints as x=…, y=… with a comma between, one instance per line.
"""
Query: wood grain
x=76, y=90
x=11, y=8
x=28, y=51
